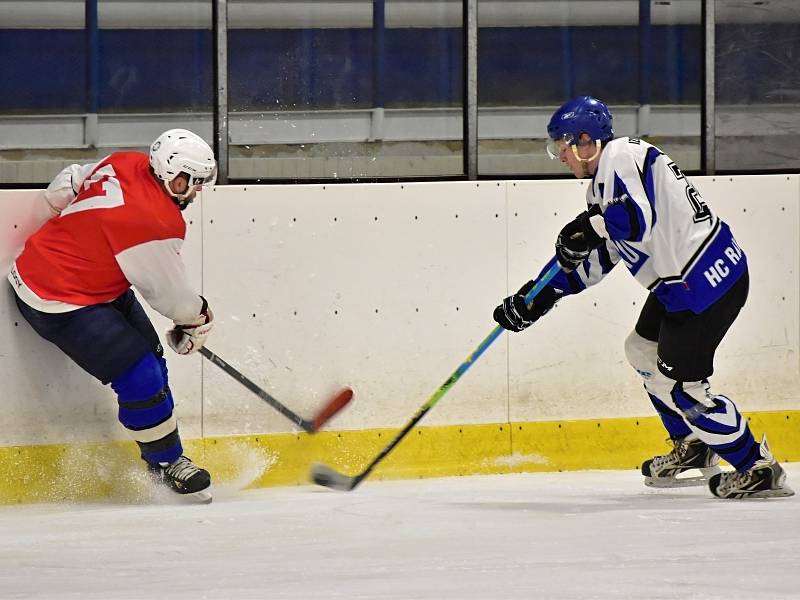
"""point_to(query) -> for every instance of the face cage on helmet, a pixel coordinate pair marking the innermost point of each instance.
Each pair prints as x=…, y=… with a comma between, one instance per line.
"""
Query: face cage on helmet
x=193, y=182
x=184, y=200
x=554, y=149
x=553, y=145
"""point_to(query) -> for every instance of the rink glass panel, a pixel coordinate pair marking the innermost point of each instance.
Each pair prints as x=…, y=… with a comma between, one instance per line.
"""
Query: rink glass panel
x=87, y=83
x=757, y=86
x=647, y=69
x=353, y=90
x=330, y=90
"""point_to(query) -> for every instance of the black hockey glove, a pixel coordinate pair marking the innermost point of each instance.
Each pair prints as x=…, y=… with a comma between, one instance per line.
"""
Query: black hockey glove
x=513, y=314
x=577, y=240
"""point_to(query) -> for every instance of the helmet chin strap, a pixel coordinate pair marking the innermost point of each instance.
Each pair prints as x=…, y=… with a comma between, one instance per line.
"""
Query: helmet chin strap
x=585, y=161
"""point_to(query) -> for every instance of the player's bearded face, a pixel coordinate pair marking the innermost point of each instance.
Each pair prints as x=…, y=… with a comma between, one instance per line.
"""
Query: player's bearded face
x=180, y=187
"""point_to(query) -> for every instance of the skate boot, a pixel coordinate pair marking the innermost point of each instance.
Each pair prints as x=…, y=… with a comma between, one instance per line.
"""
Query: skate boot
x=687, y=455
x=765, y=479
x=183, y=477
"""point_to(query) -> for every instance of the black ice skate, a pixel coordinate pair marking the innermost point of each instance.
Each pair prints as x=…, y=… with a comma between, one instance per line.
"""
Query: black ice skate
x=183, y=477
x=765, y=479
x=687, y=455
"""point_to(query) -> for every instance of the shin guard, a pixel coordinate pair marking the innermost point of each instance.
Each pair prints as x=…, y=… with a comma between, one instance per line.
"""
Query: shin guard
x=717, y=422
x=146, y=409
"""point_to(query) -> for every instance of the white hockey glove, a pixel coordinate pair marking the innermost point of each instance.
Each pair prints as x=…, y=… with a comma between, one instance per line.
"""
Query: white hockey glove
x=60, y=192
x=187, y=338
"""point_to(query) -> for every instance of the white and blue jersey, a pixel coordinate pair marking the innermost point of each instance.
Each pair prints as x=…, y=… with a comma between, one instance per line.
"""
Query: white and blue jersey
x=655, y=221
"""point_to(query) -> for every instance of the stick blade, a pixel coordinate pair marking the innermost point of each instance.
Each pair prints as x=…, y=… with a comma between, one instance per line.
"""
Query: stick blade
x=341, y=400
x=325, y=476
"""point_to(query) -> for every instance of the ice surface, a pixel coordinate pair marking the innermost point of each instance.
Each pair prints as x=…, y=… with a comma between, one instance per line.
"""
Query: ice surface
x=574, y=535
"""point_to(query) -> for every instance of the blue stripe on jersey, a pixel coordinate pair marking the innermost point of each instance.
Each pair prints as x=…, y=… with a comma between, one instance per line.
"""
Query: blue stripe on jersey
x=624, y=219
x=720, y=265
x=648, y=181
x=606, y=264
x=634, y=259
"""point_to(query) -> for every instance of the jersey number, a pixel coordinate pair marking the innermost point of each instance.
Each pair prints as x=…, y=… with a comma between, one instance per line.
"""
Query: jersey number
x=700, y=208
x=100, y=190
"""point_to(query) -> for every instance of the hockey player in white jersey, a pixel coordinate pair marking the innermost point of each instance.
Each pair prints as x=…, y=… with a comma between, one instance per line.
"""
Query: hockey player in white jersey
x=644, y=212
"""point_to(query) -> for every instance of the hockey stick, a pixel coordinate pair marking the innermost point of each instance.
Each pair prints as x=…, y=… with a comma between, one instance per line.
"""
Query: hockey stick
x=311, y=426
x=324, y=475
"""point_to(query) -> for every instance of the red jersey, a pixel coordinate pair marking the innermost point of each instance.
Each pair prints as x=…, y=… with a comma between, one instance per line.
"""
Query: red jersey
x=120, y=229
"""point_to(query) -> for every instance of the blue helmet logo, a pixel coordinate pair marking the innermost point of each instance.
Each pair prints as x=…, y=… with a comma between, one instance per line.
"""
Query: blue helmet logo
x=583, y=114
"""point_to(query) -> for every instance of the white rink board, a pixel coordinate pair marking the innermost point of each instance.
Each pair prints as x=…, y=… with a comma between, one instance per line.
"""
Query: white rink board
x=295, y=275
x=385, y=288
x=570, y=364
x=44, y=396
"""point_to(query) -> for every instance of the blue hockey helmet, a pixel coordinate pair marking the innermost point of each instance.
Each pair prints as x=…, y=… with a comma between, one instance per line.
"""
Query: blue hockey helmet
x=583, y=114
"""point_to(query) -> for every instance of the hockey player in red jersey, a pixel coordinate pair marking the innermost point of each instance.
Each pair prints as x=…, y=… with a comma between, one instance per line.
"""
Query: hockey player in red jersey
x=116, y=224
x=643, y=211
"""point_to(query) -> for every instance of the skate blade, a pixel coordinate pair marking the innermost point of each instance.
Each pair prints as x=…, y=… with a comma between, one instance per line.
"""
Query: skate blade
x=664, y=483
x=783, y=492
x=201, y=497
x=678, y=482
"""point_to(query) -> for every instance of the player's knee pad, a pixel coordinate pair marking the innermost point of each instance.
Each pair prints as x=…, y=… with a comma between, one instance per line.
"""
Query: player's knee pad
x=641, y=355
x=146, y=409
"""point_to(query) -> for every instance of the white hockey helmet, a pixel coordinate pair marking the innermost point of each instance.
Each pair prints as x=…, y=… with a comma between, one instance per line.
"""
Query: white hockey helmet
x=180, y=151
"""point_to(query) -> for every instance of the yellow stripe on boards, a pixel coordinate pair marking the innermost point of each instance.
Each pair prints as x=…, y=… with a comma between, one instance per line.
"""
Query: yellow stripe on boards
x=113, y=471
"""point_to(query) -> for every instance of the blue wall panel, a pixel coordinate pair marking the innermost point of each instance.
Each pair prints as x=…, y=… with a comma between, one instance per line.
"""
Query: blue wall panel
x=172, y=70
x=156, y=70
x=332, y=68
x=42, y=70
x=296, y=68
x=424, y=67
x=537, y=65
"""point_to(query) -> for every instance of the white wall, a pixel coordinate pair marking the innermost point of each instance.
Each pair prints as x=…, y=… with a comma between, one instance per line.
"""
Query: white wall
x=387, y=288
